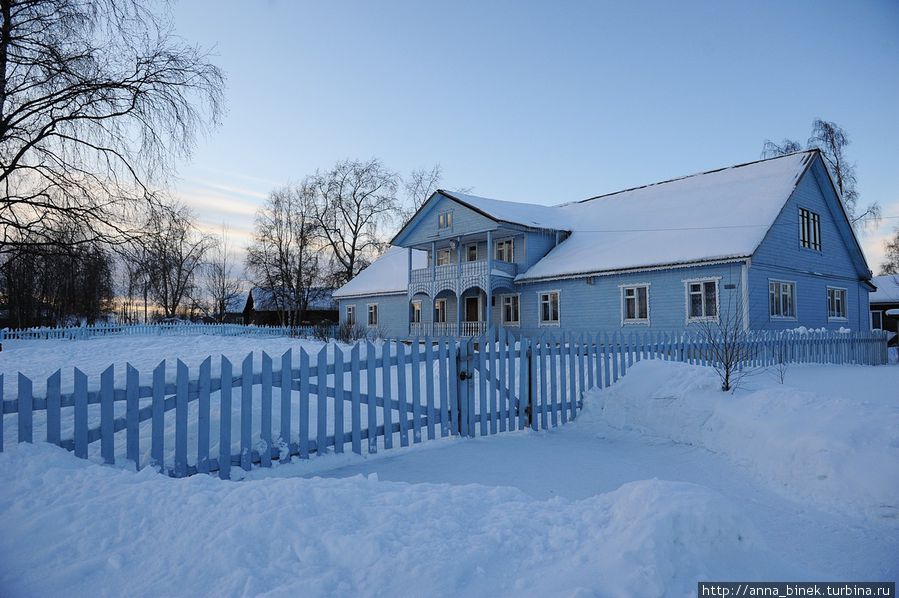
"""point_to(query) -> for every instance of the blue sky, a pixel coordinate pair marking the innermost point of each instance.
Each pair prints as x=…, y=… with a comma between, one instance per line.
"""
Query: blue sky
x=538, y=101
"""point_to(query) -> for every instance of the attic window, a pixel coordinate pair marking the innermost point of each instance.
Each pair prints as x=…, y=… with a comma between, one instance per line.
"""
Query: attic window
x=809, y=229
x=445, y=220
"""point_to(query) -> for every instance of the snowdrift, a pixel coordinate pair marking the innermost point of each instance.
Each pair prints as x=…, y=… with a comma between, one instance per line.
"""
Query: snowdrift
x=837, y=449
x=108, y=530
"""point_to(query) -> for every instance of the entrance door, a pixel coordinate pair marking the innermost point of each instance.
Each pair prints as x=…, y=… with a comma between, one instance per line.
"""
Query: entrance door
x=472, y=309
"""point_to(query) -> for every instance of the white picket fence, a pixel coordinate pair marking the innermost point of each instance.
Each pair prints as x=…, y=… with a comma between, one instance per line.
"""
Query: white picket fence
x=158, y=329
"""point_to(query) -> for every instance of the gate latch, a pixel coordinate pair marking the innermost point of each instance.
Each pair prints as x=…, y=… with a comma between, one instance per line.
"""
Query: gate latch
x=463, y=375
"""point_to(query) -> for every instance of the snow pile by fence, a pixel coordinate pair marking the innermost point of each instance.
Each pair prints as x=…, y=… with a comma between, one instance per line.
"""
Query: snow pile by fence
x=354, y=536
x=836, y=449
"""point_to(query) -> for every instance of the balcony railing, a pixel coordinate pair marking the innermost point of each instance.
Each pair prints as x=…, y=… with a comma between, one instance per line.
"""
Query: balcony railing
x=447, y=328
x=472, y=328
x=450, y=271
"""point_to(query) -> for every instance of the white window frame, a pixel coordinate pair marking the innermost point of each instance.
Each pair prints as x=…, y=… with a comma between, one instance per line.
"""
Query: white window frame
x=879, y=313
x=416, y=309
x=502, y=242
x=350, y=320
x=371, y=324
x=502, y=309
x=449, y=256
x=445, y=220
x=812, y=241
x=442, y=309
x=781, y=282
x=843, y=302
x=541, y=321
x=623, y=289
x=703, y=318
x=477, y=252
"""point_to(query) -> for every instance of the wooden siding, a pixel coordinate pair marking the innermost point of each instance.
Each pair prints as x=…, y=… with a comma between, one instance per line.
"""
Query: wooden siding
x=836, y=264
x=424, y=227
x=597, y=307
x=393, y=312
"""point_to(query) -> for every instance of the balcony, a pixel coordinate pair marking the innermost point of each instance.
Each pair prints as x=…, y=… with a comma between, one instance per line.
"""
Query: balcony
x=452, y=277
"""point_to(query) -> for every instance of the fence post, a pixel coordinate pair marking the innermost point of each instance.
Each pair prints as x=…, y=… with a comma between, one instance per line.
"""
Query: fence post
x=525, y=410
x=225, y=420
x=461, y=381
x=25, y=413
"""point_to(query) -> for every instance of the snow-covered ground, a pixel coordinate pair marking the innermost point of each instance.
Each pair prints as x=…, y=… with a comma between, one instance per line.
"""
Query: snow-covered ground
x=827, y=436
x=661, y=482
x=39, y=359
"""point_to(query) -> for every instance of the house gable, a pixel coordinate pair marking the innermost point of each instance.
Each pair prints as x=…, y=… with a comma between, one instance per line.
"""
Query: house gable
x=423, y=226
x=840, y=252
x=839, y=263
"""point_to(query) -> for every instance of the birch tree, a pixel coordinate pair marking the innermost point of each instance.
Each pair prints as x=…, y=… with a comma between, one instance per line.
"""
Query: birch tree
x=832, y=140
x=284, y=259
x=98, y=101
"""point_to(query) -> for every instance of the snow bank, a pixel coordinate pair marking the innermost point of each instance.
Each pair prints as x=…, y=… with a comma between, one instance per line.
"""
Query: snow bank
x=106, y=530
x=837, y=450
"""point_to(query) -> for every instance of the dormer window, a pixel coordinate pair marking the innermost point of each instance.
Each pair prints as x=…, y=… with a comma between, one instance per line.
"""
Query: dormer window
x=445, y=220
x=809, y=229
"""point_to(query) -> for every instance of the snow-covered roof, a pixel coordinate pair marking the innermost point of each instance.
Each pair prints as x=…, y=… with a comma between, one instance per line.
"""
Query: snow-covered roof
x=717, y=215
x=887, y=289
x=236, y=303
x=526, y=214
x=714, y=215
x=387, y=274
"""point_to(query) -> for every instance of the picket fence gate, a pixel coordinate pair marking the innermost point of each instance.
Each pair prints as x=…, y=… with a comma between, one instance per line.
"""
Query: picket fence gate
x=366, y=398
x=161, y=329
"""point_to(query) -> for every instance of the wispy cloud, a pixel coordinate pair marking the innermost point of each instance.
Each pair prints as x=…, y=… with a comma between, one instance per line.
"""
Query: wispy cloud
x=228, y=189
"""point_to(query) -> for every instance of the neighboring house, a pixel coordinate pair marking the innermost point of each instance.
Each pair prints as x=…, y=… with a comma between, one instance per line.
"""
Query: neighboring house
x=766, y=244
x=262, y=309
x=886, y=297
x=234, y=310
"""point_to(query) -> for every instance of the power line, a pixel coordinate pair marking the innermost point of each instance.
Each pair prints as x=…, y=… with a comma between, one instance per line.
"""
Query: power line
x=693, y=228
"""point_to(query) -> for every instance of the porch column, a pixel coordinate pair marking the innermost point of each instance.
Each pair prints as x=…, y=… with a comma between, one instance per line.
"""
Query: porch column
x=458, y=312
x=489, y=307
x=408, y=294
x=433, y=261
x=459, y=287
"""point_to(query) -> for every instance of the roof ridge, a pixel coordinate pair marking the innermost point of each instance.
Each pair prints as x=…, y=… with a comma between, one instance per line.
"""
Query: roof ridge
x=688, y=176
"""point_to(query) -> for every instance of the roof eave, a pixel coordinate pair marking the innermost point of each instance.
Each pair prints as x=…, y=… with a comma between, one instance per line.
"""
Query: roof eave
x=644, y=268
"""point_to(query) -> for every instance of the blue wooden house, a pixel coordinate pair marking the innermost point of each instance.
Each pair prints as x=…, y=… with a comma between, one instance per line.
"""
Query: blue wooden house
x=765, y=244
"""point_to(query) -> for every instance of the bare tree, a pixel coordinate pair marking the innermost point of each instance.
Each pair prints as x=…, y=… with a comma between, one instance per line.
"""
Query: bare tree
x=285, y=258
x=891, y=264
x=724, y=341
x=355, y=201
x=222, y=284
x=787, y=146
x=98, y=99
x=134, y=261
x=59, y=284
x=831, y=140
x=419, y=186
x=175, y=252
